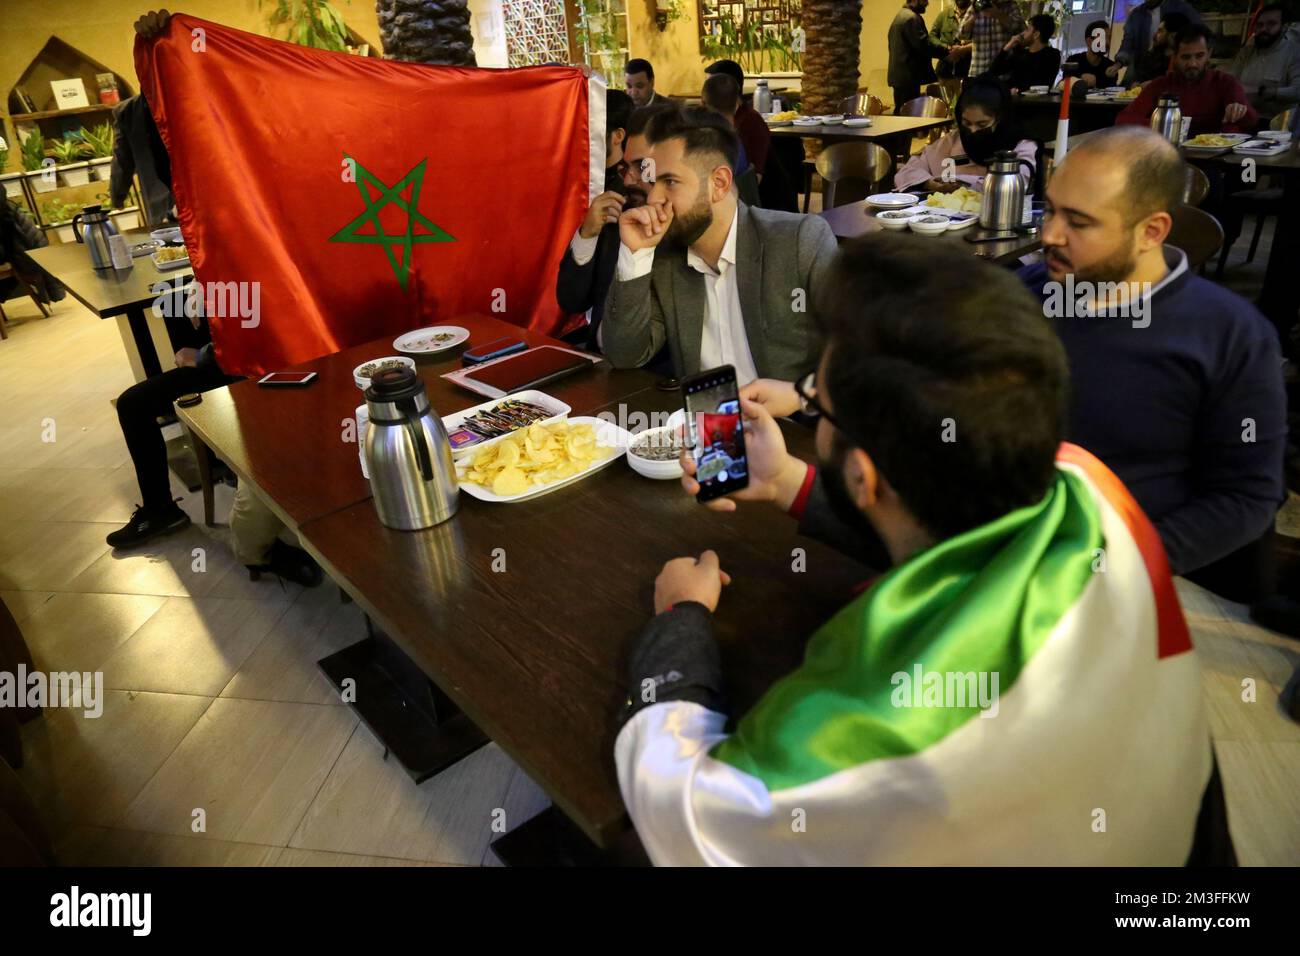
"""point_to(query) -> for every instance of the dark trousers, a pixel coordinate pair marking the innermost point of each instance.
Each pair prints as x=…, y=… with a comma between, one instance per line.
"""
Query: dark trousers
x=904, y=93
x=1246, y=575
x=138, y=411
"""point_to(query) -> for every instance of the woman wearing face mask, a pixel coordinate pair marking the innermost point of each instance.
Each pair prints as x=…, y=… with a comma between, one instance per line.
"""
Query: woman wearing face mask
x=984, y=126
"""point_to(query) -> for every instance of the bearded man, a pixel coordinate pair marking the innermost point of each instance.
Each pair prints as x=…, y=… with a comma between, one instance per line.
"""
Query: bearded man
x=720, y=282
x=1177, y=381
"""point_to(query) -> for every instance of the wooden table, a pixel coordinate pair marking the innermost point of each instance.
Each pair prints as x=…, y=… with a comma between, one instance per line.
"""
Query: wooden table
x=289, y=442
x=1036, y=115
x=859, y=219
x=125, y=295
x=1280, y=297
x=894, y=133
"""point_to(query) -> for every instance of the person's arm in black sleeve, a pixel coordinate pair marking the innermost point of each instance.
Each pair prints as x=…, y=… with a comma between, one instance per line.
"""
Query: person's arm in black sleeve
x=676, y=658
x=575, y=287
x=122, y=169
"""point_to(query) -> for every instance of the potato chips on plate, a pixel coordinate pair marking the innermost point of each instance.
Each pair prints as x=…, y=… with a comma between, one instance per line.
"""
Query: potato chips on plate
x=541, y=458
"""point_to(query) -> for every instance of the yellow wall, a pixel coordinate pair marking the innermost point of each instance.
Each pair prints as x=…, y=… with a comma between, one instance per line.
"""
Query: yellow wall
x=679, y=69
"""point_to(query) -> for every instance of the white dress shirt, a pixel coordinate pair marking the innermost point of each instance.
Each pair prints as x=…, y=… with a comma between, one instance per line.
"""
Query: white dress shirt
x=723, y=340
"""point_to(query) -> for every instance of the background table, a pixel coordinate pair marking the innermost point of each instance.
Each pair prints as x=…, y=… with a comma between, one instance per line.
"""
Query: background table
x=859, y=219
x=1036, y=115
x=894, y=133
x=125, y=295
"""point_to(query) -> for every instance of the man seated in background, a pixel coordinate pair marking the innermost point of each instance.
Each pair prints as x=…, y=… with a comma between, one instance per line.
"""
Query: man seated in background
x=942, y=400
x=1268, y=66
x=750, y=126
x=587, y=267
x=1213, y=99
x=1142, y=29
x=1177, y=381
x=1091, y=65
x=1027, y=59
x=722, y=95
x=639, y=78
x=732, y=285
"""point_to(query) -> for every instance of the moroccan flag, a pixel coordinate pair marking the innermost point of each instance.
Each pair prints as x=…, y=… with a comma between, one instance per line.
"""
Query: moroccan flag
x=1024, y=693
x=365, y=197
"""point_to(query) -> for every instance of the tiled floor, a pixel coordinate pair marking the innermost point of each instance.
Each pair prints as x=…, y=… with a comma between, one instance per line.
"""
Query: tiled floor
x=220, y=743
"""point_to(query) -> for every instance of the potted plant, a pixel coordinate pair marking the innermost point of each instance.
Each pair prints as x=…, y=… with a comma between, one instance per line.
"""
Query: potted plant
x=58, y=215
x=66, y=152
x=100, y=141
x=39, y=169
x=13, y=182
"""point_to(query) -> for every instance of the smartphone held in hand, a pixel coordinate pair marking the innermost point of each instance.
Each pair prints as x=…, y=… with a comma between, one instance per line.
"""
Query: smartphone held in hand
x=716, y=432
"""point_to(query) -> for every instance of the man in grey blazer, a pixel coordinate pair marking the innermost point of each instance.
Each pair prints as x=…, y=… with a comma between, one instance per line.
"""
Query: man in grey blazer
x=722, y=283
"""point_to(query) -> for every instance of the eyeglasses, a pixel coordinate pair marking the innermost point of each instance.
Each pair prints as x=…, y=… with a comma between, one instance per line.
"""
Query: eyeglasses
x=806, y=388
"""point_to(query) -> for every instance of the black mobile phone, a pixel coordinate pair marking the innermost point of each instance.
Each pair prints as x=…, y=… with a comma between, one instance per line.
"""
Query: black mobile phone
x=287, y=379
x=716, y=432
x=492, y=350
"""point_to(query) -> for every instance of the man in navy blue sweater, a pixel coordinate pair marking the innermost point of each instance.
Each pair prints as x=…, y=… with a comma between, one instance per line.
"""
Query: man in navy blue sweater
x=1177, y=382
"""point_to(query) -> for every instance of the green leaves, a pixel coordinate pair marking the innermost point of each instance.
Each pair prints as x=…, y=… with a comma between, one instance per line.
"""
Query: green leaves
x=313, y=23
x=99, y=139
x=33, y=151
x=69, y=149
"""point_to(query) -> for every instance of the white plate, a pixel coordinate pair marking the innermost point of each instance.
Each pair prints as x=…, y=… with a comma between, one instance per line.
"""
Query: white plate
x=896, y=220
x=168, y=266
x=608, y=434
x=167, y=234
x=962, y=221
x=1281, y=135
x=773, y=124
x=832, y=119
x=409, y=343
x=858, y=121
x=928, y=228
x=453, y=421
x=805, y=123
x=893, y=200
x=1237, y=140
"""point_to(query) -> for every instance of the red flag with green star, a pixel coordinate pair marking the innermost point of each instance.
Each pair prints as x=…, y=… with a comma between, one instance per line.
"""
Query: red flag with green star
x=363, y=197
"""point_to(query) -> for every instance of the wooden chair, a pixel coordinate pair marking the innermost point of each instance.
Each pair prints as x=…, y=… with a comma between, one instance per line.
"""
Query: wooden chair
x=6, y=271
x=926, y=106
x=1196, y=185
x=862, y=104
x=1261, y=202
x=851, y=171
x=1197, y=233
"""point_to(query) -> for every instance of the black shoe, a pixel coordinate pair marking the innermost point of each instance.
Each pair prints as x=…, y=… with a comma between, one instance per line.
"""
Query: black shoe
x=290, y=564
x=147, y=524
x=1278, y=613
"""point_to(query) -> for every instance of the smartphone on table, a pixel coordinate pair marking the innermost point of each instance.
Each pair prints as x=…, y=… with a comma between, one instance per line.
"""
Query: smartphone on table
x=287, y=379
x=715, y=431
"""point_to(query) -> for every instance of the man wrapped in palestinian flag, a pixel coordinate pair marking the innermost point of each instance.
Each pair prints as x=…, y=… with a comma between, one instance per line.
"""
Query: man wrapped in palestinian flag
x=1019, y=688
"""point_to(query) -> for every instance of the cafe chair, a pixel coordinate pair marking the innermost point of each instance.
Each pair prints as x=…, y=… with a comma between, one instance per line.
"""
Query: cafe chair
x=926, y=106
x=1261, y=202
x=1196, y=185
x=852, y=171
x=7, y=271
x=862, y=104
x=1197, y=233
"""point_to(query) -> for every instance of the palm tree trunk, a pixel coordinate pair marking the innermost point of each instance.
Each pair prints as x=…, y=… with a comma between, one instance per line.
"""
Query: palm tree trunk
x=830, y=62
x=426, y=31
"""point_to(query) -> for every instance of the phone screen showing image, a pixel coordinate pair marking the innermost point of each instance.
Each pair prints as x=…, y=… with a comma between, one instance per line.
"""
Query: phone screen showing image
x=716, y=432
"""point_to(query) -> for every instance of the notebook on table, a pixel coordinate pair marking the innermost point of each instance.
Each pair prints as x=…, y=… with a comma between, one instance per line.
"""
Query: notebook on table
x=528, y=369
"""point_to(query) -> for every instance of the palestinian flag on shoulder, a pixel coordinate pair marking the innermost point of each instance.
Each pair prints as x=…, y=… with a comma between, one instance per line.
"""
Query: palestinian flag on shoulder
x=1024, y=693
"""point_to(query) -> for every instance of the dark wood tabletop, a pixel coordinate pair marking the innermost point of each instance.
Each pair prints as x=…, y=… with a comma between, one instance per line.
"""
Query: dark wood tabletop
x=289, y=442
x=882, y=127
x=536, y=655
x=106, y=292
x=859, y=219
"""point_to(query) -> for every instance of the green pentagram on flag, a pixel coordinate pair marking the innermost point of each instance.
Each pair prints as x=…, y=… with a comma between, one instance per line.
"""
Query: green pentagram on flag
x=386, y=195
